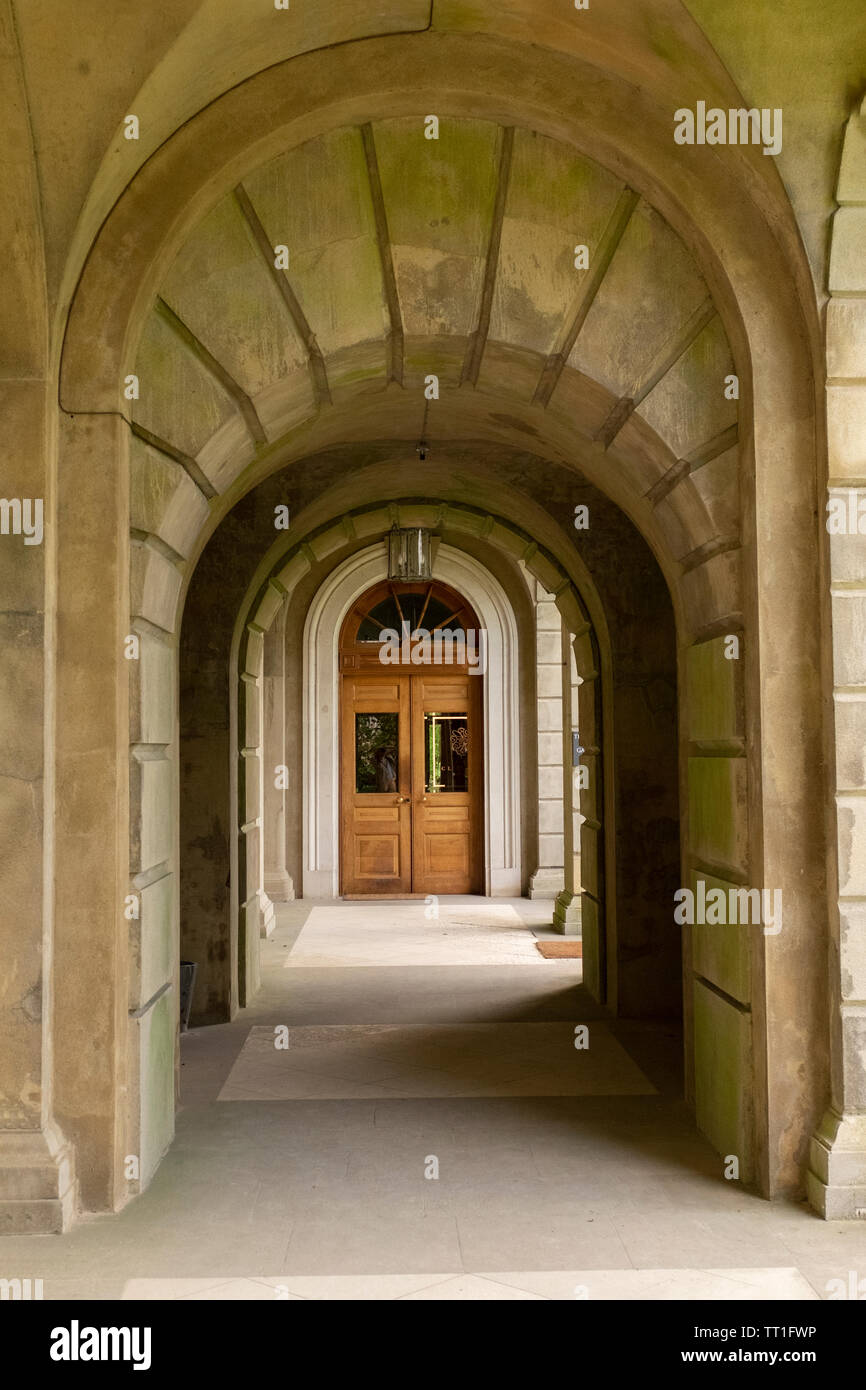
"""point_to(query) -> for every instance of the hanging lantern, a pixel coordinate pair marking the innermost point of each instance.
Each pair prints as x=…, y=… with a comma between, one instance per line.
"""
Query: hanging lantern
x=410, y=554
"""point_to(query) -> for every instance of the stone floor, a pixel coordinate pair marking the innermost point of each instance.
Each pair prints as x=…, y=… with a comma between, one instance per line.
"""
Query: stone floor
x=416, y=1044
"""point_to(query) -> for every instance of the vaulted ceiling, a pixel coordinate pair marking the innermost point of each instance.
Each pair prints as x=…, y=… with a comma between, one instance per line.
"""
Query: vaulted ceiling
x=456, y=257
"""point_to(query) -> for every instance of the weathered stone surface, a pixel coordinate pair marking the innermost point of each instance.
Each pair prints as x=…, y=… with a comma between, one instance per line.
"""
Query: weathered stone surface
x=179, y=400
x=152, y=702
x=851, y=814
x=164, y=501
x=556, y=200
x=846, y=338
x=21, y=987
x=221, y=289
x=616, y=348
x=152, y=1041
x=717, y=483
x=152, y=940
x=151, y=791
x=846, y=424
x=850, y=718
x=722, y=1074
x=848, y=251
x=155, y=584
x=717, y=809
x=851, y=187
x=689, y=406
x=849, y=628
x=715, y=692
x=721, y=953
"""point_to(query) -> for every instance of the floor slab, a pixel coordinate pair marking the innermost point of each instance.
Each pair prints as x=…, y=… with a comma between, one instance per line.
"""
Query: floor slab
x=391, y=1061
x=579, y=1174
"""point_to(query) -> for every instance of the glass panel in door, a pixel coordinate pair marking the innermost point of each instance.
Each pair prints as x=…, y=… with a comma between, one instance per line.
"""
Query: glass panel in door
x=377, y=752
x=446, y=752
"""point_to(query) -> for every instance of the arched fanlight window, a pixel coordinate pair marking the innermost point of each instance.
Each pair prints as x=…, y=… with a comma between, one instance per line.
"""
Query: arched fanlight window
x=423, y=605
x=418, y=610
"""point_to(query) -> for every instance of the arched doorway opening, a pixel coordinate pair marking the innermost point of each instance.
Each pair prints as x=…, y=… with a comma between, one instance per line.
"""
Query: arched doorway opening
x=615, y=627
x=313, y=647
x=411, y=777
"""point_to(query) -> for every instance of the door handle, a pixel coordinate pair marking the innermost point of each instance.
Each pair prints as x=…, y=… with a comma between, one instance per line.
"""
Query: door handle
x=401, y=799
x=422, y=798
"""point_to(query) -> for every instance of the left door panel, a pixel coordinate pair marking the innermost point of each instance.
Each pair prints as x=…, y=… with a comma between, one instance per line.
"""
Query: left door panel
x=376, y=811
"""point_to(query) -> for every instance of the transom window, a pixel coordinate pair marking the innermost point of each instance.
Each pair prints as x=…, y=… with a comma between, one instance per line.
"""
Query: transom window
x=424, y=606
x=418, y=610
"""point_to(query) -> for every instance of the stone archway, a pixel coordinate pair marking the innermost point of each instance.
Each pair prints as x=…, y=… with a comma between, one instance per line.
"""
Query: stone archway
x=760, y=301
x=630, y=953
x=278, y=576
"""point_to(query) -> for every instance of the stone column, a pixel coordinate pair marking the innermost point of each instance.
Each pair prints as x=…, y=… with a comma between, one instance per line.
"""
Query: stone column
x=837, y=1176
x=277, y=881
x=36, y=1170
x=549, y=877
x=591, y=803
x=95, y=1054
x=566, y=913
x=576, y=816
x=251, y=895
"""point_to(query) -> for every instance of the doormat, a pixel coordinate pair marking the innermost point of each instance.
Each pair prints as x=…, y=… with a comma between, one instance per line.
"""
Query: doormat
x=561, y=950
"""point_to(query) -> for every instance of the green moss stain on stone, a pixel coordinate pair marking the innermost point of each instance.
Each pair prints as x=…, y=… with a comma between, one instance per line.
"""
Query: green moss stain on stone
x=556, y=201
x=714, y=692
x=722, y=1074
x=158, y=1031
x=153, y=479
x=316, y=194
x=689, y=406
x=222, y=290
x=651, y=289
x=722, y=952
x=550, y=183
x=157, y=900
x=316, y=201
x=439, y=193
x=717, y=809
x=179, y=399
x=460, y=17
x=589, y=930
x=340, y=291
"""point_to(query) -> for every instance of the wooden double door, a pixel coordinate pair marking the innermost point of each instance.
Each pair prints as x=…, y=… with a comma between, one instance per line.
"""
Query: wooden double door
x=412, y=784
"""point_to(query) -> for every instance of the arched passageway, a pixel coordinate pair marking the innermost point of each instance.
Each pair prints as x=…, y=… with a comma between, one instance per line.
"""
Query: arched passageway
x=642, y=419
x=641, y=974
x=584, y=360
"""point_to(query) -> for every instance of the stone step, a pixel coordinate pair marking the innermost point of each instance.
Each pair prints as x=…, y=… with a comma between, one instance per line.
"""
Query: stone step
x=33, y=1218
x=37, y=1184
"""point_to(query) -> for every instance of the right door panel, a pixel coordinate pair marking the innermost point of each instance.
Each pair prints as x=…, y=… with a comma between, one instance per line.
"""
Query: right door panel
x=447, y=778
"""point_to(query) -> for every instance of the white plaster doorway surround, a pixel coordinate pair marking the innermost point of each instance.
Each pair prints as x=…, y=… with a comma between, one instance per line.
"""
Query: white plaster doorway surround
x=321, y=714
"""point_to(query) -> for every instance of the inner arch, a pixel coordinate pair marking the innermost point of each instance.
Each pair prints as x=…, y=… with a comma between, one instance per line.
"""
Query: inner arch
x=501, y=765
